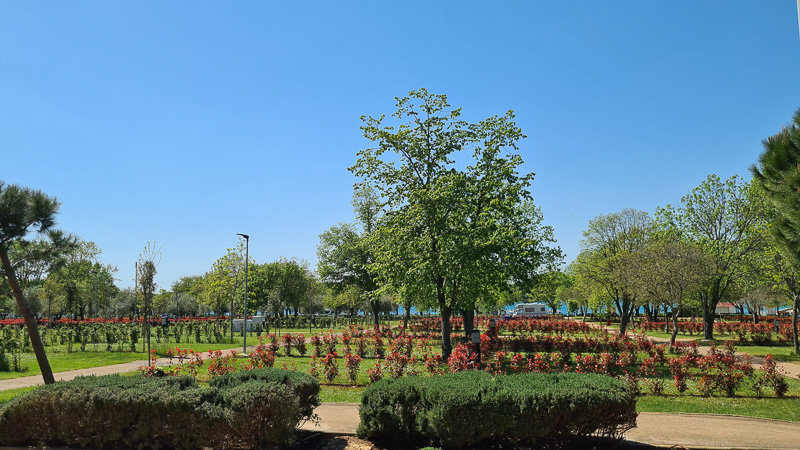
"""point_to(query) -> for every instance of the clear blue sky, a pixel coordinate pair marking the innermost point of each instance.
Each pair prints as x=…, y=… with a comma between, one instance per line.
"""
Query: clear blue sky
x=187, y=122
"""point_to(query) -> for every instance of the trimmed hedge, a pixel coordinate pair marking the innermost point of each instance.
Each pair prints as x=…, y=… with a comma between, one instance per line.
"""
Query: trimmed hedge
x=173, y=412
x=304, y=386
x=466, y=409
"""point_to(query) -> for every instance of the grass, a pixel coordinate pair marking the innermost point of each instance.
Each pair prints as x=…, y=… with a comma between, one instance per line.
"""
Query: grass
x=62, y=362
x=341, y=394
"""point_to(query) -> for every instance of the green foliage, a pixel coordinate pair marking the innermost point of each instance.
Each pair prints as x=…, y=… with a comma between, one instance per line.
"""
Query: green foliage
x=778, y=174
x=286, y=283
x=452, y=231
x=304, y=386
x=471, y=408
x=723, y=219
x=607, y=244
x=345, y=256
x=23, y=210
x=133, y=411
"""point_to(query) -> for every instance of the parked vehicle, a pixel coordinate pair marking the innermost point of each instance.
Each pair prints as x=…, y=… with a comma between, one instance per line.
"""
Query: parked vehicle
x=529, y=310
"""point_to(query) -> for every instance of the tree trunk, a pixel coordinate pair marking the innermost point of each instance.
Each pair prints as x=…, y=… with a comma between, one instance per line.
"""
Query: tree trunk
x=376, y=320
x=406, y=315
x=625, y=310
x=468, y=316
x=444, y=313
x=30, y=321
x=795, y=312
x=674, y=334
x=708, y=317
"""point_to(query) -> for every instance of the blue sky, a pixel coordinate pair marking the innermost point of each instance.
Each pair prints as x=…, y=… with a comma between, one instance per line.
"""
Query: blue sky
x=187, y=122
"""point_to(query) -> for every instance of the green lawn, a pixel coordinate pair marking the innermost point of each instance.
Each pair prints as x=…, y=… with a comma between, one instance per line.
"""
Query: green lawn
x=62, y=362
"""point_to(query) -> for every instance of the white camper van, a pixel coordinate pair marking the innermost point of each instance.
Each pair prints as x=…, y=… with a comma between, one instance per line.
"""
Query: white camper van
x=529, y=310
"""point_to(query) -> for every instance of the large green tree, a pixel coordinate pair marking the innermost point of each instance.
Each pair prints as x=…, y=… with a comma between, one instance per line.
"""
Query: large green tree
x=723, y=219
x=606, y=246
x=73, y=282
x=667, y=272
x=453, y=194
x=24, y=211
x=346, y=255
x=778, y=174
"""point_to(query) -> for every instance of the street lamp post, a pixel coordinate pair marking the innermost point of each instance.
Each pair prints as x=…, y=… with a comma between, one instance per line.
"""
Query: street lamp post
x=246, y=269
x=95, y=294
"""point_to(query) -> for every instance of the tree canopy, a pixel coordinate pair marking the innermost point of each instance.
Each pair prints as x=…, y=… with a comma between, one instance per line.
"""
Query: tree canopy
x=778, y=174
x=452, y=193
x=23, y=211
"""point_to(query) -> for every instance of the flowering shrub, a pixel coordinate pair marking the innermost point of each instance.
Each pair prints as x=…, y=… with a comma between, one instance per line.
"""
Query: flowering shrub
x=500, y=365
x=194, y=364
x=774, y=376
x=299, y=342
x=273, y=343
x=287, y=342
x=221, y=364
x=330, y=364
x=361, y=347
x=375, y=373
x=351, y=365
x=722, y=371
x=433, y=364
x=313, y=367
x=377, y=347
x=397, y=364
x=679, y=369
x=330, y=341
x=648, y=369
x=547, y=363
x=346, y=338
x=316, y=341
x=402, y=344
x=462, y=358
x=260, y=358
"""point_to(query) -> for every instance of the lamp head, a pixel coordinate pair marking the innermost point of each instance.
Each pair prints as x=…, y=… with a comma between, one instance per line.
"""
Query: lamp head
x=243, y=235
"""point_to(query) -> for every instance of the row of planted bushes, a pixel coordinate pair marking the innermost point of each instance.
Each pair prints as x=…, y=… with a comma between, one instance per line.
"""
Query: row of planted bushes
x=757, y=333
x=469, y=409
x=521, y=325
x=259, y=408
x=720, y=373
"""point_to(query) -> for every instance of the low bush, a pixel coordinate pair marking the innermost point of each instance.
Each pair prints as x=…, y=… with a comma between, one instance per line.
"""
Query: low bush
x=303, y=385
x=472, y=408
x=172, y=412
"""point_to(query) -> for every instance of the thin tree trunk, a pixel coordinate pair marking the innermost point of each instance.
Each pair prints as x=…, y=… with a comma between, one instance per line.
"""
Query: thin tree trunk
x=674, y=334
x=376, y=320
x=445, y=313
x=795, y=312
x=30, y=321
x=406, y=315
x=708, y=318
x=468, y=316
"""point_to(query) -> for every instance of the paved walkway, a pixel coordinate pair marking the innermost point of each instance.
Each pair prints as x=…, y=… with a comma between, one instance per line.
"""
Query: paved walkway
x=661, y=430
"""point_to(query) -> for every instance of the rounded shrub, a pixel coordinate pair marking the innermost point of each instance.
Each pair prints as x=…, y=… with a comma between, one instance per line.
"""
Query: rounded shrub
x=170, y=412
x=304, y=385
x=471, y=408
